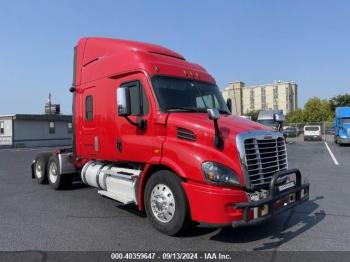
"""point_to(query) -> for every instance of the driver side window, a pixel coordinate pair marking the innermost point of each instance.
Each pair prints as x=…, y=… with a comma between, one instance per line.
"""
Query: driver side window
x=138, y=98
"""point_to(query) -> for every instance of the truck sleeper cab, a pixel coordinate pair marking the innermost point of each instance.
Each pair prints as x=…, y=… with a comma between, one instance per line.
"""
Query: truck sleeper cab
x=152, y=129
x=272, y=118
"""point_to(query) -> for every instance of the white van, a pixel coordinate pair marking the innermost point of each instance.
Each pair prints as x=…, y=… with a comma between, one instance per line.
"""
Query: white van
x=312, y=132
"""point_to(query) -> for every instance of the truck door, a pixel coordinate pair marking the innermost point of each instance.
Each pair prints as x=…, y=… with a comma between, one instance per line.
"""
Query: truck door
x=133, y=143
x=89, y=137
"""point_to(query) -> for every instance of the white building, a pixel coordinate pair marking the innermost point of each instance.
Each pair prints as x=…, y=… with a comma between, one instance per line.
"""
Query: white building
x=277, y=96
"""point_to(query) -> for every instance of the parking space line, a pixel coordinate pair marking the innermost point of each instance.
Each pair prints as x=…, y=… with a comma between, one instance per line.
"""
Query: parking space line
x=332, y=155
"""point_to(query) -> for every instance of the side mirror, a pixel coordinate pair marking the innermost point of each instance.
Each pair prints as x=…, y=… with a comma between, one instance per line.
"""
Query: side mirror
x=123, y=101
x=213, y=114
x=277, y=117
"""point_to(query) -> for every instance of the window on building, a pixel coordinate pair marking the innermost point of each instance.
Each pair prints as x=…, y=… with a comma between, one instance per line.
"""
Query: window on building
x=69, y=127
x=51, y=127
x=89, y=108
x=138, y=98
x=263, y=99
x=2, y=128
x=275, y=93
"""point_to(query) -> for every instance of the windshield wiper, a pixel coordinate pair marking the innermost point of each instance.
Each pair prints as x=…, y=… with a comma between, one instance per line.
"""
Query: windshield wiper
x=185, y=109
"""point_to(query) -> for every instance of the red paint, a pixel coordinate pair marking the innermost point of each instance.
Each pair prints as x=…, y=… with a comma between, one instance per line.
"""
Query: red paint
x=102, y=65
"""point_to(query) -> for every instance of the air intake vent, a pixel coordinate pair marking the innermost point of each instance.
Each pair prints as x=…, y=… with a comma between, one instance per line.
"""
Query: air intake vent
x=185, y=134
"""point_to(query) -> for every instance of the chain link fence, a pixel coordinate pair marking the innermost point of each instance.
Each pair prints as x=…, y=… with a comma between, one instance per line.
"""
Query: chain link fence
x=305, y=132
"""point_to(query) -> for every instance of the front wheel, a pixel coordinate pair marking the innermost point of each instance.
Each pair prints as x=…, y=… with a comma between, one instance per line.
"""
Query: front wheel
x=166, y=203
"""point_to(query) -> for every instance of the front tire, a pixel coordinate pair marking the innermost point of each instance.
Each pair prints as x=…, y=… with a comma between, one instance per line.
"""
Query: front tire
x=56, y=180
x=337, y=139
x=166, y=203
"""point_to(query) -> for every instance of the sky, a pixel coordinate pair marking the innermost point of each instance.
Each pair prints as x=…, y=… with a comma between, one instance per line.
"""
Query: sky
x=252, y=41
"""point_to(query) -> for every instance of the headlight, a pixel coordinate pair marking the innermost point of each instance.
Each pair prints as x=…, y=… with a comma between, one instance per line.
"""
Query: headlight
x=219, y=174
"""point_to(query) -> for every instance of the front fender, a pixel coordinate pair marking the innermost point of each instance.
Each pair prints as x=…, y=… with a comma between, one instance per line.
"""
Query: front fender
x=186, y=158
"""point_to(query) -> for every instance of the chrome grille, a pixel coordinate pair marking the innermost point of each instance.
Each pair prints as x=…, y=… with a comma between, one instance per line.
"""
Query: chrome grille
x=263, y=158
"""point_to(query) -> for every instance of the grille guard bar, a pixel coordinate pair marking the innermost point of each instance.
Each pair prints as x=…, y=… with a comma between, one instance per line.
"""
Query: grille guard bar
x=272, y=198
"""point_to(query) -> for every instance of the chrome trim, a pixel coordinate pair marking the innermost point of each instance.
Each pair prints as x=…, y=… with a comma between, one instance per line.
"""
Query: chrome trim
x=65, y=166
x=258, y=135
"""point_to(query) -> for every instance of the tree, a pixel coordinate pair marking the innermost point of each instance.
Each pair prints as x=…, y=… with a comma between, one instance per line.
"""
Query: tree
x=253, y=114
x=317, y=110
x=296, y=116
x=340, y=100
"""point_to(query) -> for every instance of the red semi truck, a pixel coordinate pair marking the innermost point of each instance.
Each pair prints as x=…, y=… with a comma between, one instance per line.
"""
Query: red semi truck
x=153, y=129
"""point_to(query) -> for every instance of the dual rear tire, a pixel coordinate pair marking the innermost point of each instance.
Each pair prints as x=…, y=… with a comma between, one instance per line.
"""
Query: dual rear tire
x=46, y=170
x=40, y=167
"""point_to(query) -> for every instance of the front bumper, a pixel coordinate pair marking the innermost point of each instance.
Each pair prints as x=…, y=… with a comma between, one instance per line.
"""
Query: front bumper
x=344, y=140
x=313, y=137
x=300, y=193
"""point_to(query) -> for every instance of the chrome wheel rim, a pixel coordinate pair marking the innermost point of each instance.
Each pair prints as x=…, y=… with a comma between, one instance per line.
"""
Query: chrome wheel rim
x=39, y=169
x=162, y=203
x=53, y=172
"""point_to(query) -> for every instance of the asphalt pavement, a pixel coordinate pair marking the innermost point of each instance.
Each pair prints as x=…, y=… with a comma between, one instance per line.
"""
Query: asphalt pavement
x=35, y=217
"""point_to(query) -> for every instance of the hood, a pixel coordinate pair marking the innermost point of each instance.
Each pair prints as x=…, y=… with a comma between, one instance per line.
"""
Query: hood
x=229, y=125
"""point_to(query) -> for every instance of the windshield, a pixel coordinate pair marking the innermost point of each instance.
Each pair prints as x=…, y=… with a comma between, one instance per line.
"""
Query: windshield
x=177, y=94
x=267, y=122
x=345, y=120
x=312, y=128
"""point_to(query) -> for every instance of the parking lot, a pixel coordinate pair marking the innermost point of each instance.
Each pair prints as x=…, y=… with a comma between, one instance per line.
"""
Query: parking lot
x=35, y=217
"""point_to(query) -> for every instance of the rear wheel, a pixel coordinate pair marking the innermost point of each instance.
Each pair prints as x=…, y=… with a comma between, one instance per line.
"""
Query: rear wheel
x=56, y=180
x=40, y=167
x=166, y=203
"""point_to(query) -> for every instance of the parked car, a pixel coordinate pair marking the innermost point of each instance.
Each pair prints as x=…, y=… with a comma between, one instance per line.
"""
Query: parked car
x=290, y=131
x=312, y=132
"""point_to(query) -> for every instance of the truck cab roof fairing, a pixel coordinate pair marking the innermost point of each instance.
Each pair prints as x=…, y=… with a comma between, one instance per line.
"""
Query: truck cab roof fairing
x=103, y=57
